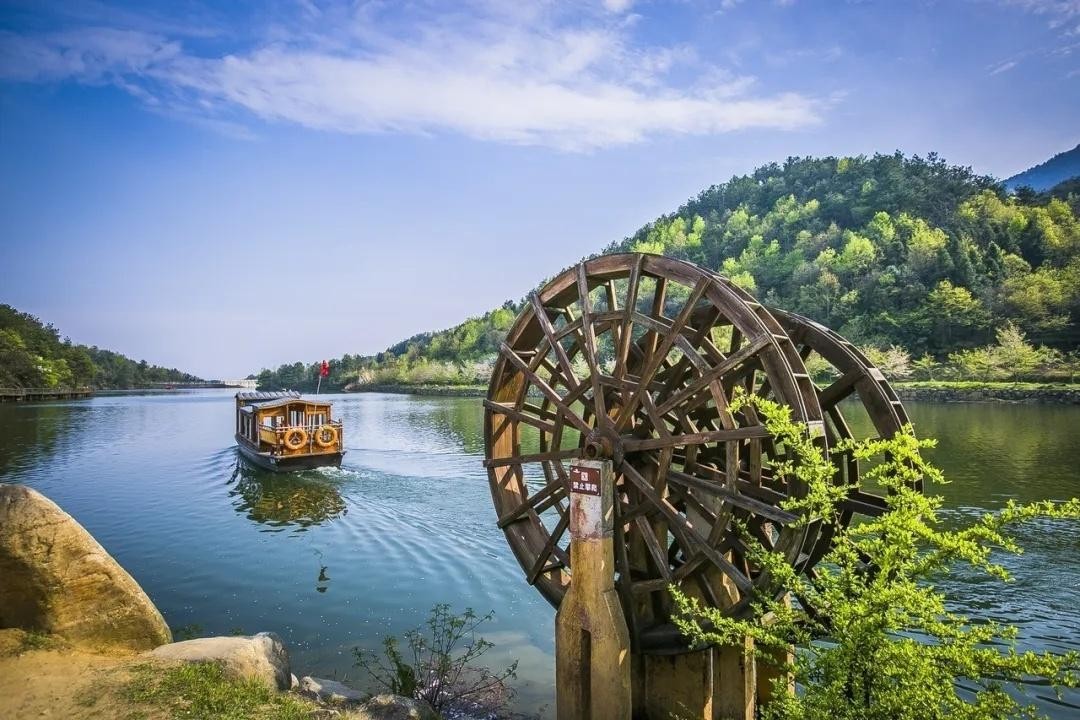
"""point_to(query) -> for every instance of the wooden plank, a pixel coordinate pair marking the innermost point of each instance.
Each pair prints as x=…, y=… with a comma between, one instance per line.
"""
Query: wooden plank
x=631, y=444
x=519, y=416
x=535, y=457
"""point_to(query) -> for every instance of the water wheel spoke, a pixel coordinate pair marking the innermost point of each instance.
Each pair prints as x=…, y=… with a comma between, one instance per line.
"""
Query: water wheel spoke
x=622, y=356
x=864, y=503
x=689, y=348
x=688, y=537
x=734, y=497
x=569, y=328
x=588, y=333
x=661, y=352
x=652, y=543
x=519, y=416
x=718, y=371
x=537, y=503
x=840, y=389
x=533, y=458
x=633, y=444
x=549, y=548
x=543, y=387
x=652, y=336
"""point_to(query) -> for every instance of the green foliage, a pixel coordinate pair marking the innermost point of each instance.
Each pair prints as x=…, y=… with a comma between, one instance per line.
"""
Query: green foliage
x=880, y=641
x=894, y=361
x=889, y=250
x=1012, y=357
x=201, y=691
x=32, y=355
x=459, y=356
x=440, y=667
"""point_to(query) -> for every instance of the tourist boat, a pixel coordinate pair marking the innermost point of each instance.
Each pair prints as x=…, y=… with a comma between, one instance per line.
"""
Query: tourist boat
x=282, y=431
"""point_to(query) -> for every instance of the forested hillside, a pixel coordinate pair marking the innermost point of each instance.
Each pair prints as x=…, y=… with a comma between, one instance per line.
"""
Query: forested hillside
x=1056, y=170
x=33, y=355
x=901, y=254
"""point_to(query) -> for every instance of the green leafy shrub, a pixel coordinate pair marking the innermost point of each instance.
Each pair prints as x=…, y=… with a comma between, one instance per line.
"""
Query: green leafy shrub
x=440, y=665
x=877, y=640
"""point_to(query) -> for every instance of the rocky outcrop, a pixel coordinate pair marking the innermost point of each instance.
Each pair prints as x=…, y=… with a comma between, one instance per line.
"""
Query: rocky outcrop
x=393, y=707
x=55, y=578
x=261, y=657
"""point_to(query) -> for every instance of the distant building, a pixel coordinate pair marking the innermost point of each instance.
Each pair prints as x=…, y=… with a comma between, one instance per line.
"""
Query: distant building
x=251, y=384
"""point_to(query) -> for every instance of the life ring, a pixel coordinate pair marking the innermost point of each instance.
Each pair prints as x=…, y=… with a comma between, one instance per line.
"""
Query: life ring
x=326, y=436
x=296, y=438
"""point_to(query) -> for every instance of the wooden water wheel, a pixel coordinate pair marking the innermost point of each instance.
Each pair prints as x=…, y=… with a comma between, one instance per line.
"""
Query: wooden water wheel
x=635, y=358
x=883, y=414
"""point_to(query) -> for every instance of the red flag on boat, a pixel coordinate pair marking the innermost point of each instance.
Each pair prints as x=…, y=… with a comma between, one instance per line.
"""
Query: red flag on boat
x=324, y=370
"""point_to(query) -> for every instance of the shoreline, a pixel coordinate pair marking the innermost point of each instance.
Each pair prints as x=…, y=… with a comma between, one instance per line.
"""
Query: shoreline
x=924, y=391
x=1004, y=392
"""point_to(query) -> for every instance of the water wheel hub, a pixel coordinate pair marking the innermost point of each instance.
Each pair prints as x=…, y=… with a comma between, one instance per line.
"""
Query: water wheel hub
x=603, y=444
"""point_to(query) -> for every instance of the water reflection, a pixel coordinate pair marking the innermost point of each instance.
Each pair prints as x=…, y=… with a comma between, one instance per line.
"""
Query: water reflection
x=284, y=500
x=34, y=431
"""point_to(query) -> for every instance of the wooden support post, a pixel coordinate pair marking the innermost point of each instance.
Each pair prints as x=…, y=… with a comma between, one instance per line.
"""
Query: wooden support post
x=718, y=683
x=592, y=644
x=712, y=684
x=775, y=668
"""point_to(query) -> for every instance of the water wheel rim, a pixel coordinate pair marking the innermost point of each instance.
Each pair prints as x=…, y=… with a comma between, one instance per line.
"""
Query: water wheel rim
x=535, y=355
x=858, y=378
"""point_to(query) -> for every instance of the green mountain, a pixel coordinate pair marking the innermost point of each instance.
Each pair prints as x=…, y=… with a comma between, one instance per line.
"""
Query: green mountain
x=33, y=355
x=1058, y=169
x=889, y=250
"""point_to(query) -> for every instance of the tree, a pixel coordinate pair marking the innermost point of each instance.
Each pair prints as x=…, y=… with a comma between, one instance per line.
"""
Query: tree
x=878, y=640
x=1015, y=354
x=894, y=361
x=954, y=313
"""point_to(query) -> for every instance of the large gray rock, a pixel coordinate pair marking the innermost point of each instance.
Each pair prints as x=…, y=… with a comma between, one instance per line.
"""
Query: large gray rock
x=261, y=657
x=393, y=707
x=55, y=578
x=331, y=692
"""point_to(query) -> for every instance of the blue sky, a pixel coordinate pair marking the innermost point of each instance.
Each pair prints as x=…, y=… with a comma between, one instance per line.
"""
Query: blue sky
x=223, y=187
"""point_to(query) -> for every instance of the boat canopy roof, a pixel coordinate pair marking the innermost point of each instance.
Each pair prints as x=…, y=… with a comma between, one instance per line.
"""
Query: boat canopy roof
x=260, y=396
x=282, y=402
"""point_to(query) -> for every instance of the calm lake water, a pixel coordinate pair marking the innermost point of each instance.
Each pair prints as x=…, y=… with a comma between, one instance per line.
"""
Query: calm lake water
x=332, y=559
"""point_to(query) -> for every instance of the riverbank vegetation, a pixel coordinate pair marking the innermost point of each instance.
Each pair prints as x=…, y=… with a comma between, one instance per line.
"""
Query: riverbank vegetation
x=203, y=691
x=921, y=262
x=34, y=355
x=440, y=666
x=878, y=638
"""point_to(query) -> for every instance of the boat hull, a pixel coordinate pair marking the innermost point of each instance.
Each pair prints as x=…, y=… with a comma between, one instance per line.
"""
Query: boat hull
x=289, y=463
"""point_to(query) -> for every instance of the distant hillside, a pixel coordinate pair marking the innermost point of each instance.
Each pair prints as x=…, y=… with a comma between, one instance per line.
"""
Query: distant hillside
x=1057, y=169
x=32, y=355
x=889, y=250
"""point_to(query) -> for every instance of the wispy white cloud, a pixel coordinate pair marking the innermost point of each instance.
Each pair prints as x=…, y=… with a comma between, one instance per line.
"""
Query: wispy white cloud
x=618, y=6
x=517, y=73
x=1003, y=67
x=1062, y=18
x=1058, y=10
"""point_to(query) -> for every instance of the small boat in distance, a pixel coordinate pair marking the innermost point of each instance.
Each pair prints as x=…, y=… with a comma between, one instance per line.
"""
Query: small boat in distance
x=282, y=431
